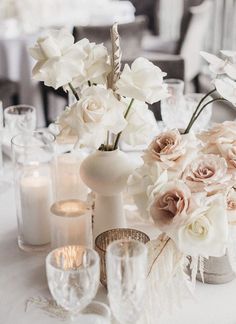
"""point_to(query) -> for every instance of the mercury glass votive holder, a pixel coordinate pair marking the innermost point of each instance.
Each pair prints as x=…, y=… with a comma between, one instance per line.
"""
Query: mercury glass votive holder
x=103, y=240
x=71, y=223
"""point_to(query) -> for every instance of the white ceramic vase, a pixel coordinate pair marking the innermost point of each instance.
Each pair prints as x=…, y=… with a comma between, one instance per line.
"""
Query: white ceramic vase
x=106, y=173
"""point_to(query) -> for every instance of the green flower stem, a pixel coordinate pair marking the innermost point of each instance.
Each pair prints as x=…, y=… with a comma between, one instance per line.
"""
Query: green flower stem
x=73, y=91
x=196, y=111
x=209, y=102
x=125, y=116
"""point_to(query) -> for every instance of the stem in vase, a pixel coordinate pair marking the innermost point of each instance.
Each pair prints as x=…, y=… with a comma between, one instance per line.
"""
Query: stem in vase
x=73, y=91
x=125, y=116
x=196, y=111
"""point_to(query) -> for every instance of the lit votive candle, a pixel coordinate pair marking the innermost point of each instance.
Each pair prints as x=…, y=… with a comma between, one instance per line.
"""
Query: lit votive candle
x=70, y=223
x=35, y=198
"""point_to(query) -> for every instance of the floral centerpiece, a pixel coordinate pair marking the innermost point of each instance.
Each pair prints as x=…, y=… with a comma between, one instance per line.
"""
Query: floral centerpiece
x=187, y=188
x=186, y=185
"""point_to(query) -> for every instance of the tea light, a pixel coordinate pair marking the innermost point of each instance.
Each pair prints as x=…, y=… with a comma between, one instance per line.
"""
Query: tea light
x=35, y=197
x=68, y=182
x=70, y=223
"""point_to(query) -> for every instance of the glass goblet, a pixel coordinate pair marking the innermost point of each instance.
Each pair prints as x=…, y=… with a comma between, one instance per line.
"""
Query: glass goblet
x=73, y=277
x=126, y=262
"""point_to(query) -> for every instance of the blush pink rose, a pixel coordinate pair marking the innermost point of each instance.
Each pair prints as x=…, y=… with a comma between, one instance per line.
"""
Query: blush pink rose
x=219, y=133
x=228, y=151
x=169, y=205
x=208, y=172
x=172, y=150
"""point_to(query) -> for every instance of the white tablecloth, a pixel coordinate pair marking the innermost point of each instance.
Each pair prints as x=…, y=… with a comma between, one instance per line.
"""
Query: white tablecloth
x=22, y=275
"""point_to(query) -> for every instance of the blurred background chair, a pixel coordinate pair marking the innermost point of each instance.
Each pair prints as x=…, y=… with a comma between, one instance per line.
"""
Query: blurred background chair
x=46, y=92
x=193, y=30
x=9, y=92
x=131, y=35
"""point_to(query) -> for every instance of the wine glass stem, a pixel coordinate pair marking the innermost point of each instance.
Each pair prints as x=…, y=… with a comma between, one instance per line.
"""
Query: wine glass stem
x=73, y=316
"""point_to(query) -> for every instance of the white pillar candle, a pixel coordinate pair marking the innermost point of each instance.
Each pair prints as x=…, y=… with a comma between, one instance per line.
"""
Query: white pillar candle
x=70, y=223
x=36, y=198
x=68, y=182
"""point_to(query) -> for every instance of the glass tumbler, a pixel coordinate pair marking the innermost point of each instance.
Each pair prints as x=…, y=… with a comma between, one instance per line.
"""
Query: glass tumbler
x=19, y=118
x=32, y=156
x=126, y=279
x=172, y=107
x=73, y=277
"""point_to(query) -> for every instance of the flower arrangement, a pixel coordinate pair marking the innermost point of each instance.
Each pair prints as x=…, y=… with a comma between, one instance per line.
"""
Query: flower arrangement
x=186, y=187
x=110, y=104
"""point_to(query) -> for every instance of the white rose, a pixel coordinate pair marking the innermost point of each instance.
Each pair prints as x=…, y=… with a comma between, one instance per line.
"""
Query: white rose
x=59, y=59
x=143, y=81
x=227, y=89
x=96, y=64
x=206, y=231
x=140, y=182
x=141, y=125
x=97, y=112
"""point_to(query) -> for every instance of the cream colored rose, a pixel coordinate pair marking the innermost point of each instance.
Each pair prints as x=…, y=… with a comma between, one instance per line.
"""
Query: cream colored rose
x=141, y=125
x=96, y=64
x=169, y=205
x=59, y=59
x=143, y=81
x=97, y=112
x=139, y=183
x=173, y=151
x=206, y=231
x=208, y=172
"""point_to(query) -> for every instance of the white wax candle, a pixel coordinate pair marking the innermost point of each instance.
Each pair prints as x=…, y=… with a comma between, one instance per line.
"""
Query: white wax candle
x=70, y=223
x=36, y=197
x=68, y=182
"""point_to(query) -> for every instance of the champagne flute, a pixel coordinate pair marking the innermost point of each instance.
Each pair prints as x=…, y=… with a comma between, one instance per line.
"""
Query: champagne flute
x=126, y=262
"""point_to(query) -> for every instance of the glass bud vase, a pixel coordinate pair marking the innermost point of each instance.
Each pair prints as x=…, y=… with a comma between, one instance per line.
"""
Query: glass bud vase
x=106, y=173
x=32, y=155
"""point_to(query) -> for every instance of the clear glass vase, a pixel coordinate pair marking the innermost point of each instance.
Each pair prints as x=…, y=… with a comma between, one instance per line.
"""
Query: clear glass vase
x=32, y=156
x=172, y=107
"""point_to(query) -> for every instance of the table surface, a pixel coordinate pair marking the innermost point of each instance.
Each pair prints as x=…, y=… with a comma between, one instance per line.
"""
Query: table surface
x=22, y=276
